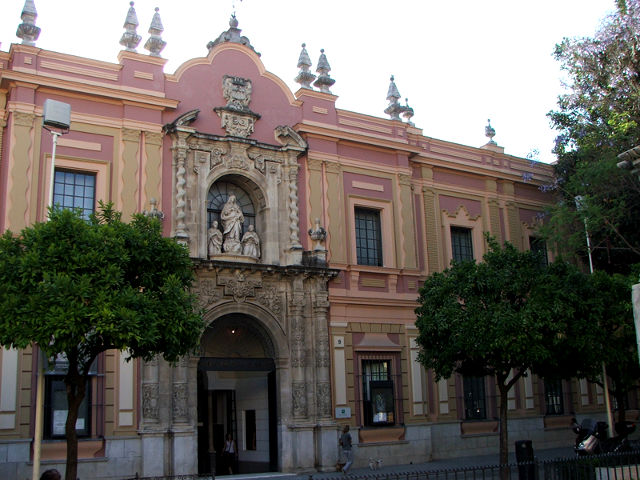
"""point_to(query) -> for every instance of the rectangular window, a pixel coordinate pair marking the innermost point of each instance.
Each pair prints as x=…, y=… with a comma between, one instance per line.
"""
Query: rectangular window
x=461, y=244
x=539, y=246
x=73, y=189
x=55, y=408
x=553, y=397
x=474, y=398
x=377, y=393
x=368, y=237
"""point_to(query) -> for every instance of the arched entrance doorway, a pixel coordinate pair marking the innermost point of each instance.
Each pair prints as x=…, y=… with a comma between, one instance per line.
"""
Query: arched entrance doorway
x=237, y=395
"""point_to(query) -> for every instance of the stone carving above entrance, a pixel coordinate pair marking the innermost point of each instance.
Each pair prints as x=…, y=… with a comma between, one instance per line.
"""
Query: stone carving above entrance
x=240, y=287
x=236, y=117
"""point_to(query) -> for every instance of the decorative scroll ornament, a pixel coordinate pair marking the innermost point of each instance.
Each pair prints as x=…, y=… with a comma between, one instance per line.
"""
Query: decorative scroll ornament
x=179, y=401
x=150, y=401
x=324, y=399
x=299, y=394
x=208, y=293
x=236, y=117
x=240, y=287
x=269, y=298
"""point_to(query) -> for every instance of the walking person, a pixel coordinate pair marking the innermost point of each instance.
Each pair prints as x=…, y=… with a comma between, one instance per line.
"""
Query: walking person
x=230, y=453
x=345, y=443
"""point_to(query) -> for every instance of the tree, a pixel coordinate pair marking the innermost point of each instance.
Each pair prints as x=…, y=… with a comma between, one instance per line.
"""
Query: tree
x=598, y=118
x=77, y=288
x=504, y=317
x=615, y=339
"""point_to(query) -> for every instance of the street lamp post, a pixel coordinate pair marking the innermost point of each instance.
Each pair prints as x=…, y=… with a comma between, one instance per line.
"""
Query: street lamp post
x=55, y=115
x=579, y=199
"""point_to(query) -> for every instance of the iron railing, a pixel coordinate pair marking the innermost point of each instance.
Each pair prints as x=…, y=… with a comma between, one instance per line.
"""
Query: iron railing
x=613, y=466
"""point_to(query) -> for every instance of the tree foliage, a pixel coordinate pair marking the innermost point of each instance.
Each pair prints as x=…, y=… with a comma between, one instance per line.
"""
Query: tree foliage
x=615, y=344
x=77, y=288
x=597, y=119
x=503, y=317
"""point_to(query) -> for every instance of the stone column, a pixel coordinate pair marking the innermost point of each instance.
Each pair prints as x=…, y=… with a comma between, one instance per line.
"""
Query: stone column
x=407, y=242
x=298, y=352
x=153, y=168
x=179, y=207
x=323, y=378
x=295, y=249
x=183, y=436
x=337, y=239
x=431, y=224
x=20, y=162
x=151, y=427
x=326, y=447
x=129, y=179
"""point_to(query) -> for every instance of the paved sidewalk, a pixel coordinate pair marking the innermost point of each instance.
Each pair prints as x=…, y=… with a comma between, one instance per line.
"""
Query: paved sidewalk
x=443, y=464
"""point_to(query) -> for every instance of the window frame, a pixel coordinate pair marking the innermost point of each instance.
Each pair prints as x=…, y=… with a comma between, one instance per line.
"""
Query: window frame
x=553, y=397
x=539, y=246
x=64, y=172
x=392, y=383
x=374, y=253
x=474, y=396
x=456, y=233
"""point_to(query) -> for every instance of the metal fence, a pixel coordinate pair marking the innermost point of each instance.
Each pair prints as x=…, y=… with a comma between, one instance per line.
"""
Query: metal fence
x=618, y=466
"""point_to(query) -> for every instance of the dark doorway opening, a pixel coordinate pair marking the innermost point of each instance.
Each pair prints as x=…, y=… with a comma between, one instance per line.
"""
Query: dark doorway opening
x=237, y=396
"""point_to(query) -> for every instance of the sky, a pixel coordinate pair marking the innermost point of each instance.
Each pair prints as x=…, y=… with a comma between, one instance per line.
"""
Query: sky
x=459, y=63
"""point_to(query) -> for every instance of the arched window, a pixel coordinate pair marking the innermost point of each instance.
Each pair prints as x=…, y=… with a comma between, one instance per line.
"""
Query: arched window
x=217, y=197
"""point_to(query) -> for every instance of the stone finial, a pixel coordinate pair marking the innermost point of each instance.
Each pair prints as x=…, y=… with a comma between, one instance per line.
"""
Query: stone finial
x=130, y=38
x=324, y=81
x=394, y=109
x=305, y=77
x=155, y=44
x=490, y=132
x=27, y=30
x=408, y=112
x=318, y=234
x=232, y=35
x=153, y=212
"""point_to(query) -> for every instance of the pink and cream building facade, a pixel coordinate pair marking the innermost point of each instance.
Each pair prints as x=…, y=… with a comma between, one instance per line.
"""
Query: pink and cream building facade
x=312, y=330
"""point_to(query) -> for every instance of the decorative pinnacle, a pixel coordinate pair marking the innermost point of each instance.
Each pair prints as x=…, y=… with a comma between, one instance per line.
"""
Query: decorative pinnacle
x=394, y=109
x=130, y=38
x=490, y=132
x=27, y=30
x=155, y=44
x=324, y=81
x=305, y=77
x=408, y=113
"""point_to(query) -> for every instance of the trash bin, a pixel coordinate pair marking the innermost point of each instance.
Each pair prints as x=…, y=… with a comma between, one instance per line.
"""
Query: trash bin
x=524, y=457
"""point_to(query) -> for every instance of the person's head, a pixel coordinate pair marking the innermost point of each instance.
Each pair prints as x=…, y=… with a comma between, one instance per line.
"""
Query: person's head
x=345, y=429
x=51, y=474
x=229, y=436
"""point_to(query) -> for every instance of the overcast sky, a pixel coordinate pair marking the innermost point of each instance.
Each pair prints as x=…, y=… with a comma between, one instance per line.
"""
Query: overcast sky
x=458, y=62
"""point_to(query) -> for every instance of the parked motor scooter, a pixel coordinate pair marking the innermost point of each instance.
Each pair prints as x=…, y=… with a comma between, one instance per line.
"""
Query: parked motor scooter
x=592, y=437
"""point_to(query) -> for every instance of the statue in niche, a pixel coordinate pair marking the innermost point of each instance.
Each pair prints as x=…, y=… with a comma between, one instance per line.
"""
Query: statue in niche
x=251, y=243
x=214, y=243
x=232, y=220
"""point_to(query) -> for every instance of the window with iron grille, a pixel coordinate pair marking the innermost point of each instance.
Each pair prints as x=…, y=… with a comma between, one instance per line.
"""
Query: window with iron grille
x=553, y=397
x=73, y=189
x=368, y=237
x=539, y=246
x=377, y=393
x=474, y=398
x=461, y=244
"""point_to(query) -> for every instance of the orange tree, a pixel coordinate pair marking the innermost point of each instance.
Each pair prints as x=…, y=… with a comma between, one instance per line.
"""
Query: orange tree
x=77, y=288
x=504, y=317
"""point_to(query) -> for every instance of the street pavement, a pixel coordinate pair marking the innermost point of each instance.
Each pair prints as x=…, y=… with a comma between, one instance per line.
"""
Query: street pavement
x=441, y=464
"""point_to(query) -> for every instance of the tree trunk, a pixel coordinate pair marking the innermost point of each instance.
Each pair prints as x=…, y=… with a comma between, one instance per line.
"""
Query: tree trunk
x=504, y=434
x=76, y=386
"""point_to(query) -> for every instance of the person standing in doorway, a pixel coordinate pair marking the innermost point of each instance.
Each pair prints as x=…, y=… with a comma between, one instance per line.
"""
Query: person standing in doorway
x=345, y=443
x=230, y=453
